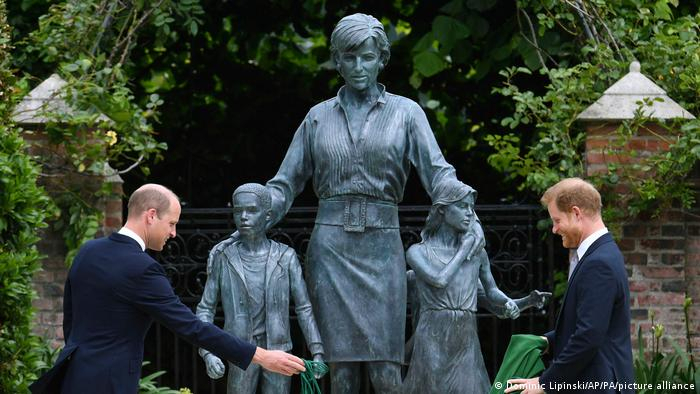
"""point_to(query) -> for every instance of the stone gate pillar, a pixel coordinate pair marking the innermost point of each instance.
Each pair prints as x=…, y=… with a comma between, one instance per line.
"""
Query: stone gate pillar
x=32, y=114
x=662, y=254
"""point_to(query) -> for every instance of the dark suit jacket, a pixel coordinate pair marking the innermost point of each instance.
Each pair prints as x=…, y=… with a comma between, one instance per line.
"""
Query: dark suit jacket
x=591, y=339
x=113, y=293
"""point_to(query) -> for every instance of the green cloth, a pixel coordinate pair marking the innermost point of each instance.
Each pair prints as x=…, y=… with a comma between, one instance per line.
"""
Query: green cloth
x=308, y=378
x=522, y=360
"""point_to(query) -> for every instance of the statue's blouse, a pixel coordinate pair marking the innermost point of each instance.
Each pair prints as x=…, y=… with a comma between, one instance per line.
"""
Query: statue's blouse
x=396, y=133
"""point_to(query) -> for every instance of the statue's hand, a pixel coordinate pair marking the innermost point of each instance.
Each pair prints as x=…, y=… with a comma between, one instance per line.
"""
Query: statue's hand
x=467, y=240
x=512, y=310
x=215, y=367
x=539, y=298
x=476, y=233
x=318, y=358
x=218, y=248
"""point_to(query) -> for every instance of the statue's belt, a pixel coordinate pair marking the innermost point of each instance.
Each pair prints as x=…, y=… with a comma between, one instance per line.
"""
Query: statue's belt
x=443, y=309
x=356, y=213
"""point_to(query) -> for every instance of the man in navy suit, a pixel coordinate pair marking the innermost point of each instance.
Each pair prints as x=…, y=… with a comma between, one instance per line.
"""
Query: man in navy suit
x=590, y=344
x=113, y=293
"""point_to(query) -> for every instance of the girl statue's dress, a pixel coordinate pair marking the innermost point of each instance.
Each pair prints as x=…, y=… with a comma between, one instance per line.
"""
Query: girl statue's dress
x=447, y=355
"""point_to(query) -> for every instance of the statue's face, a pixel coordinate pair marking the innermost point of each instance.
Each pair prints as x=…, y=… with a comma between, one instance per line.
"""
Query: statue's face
x=360, y=67
x=460, y=215
x=248, y=214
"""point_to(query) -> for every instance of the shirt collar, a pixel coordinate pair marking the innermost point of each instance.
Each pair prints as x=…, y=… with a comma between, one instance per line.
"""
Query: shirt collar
x=129, y=233
x=589, y=241
x=341, y=96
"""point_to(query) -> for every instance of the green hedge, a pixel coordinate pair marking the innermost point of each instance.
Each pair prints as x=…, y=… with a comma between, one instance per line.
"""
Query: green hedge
x=24, y=208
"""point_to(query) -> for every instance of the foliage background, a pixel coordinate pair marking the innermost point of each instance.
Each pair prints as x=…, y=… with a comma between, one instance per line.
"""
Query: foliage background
x=235, y=92
x=234, y=80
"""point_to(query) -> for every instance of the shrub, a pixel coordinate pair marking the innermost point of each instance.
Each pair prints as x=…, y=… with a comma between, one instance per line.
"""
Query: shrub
x=24, y=207
x=659, y=373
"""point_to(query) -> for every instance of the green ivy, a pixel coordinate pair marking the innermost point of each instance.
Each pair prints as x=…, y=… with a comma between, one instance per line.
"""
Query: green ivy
x=609, y=35
x=89, y=43
x=79, y=222
x=24, y=209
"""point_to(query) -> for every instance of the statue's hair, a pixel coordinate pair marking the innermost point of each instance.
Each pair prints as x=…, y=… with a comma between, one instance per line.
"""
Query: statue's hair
x=571, y=192
x=149, y=196
x=446, y=193
x=259, y=190
x=353, y=30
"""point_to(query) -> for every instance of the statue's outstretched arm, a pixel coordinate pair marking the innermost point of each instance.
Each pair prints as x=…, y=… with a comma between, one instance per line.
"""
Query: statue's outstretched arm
x=505, y=306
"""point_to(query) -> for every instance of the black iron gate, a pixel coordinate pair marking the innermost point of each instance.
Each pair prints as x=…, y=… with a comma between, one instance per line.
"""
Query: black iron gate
x=521, y=257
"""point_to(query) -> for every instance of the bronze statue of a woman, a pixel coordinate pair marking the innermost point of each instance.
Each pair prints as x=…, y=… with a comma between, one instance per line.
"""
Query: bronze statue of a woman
x=358, y=148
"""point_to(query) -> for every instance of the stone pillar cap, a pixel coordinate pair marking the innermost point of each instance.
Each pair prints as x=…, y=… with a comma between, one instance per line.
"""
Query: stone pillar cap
x=621, y=100
x=111, y=175
x=47, y=97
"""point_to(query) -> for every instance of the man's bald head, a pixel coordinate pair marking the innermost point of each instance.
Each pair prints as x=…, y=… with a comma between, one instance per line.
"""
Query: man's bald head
x=149, y=196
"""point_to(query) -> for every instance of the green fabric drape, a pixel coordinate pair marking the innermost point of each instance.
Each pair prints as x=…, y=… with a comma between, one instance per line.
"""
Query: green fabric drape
x=308, y=378
x=522, y=360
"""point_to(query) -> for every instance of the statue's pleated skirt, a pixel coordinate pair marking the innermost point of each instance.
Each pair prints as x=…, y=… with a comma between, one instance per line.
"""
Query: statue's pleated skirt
x=357, y=285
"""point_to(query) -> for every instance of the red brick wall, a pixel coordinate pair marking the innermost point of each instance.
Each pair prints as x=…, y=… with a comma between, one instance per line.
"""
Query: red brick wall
x=662, y=254
x=656, y=253
x=49, y=281
x=692, y=274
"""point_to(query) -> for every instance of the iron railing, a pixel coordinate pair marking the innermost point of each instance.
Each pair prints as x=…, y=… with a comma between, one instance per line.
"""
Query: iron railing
x=521, y=260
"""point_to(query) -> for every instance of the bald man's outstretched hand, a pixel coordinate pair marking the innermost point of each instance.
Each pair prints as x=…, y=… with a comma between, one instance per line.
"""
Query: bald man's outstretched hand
x=278, y=361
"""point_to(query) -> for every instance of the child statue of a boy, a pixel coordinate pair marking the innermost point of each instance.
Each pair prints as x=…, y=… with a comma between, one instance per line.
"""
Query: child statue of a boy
x=254, y=278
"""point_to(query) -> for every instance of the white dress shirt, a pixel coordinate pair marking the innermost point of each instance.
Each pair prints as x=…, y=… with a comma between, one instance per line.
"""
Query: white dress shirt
x=134, y=236
x=584, y=247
